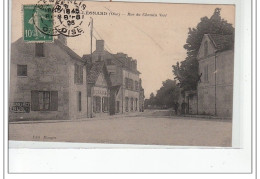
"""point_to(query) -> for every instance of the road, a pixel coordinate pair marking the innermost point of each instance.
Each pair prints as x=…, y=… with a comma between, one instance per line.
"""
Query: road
x=150, y=127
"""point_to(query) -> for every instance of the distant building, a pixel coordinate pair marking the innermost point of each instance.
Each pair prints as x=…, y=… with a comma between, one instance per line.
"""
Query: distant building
x=47, y=81
x=124, y=78
x=141, y=97
x=216, y=68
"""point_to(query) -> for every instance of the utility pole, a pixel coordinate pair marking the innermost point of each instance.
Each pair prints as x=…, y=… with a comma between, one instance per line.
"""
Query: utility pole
x=91, y=35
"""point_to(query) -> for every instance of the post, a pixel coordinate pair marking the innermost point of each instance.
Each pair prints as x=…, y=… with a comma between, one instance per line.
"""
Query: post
x=215, y=83
x=91, y=36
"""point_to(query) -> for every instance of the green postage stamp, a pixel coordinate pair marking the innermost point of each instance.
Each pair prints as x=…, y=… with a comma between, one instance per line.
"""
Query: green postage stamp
x=38, y=23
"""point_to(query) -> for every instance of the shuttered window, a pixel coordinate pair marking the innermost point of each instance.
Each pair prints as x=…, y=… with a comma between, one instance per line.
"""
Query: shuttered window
x=206, y=75
x=39, y=50
x=21, y=70
x=126, y=104
x=44, y=100
x=105, y=104
x=136, y=103
x=78, y=74
x=132, y=104
x=79, y=101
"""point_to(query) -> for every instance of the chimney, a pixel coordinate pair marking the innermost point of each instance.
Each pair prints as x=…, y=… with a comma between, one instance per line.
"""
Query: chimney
x=62, y=39
x=100, y=45
x=134, y=65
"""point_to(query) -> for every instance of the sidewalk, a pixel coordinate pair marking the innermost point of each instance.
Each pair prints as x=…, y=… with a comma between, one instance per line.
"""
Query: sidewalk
x=206, y=116
x=75, y=120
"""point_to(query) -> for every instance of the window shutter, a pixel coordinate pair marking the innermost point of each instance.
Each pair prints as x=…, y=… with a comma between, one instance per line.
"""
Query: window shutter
x=81, y=74
x=34, y=100
x=54, y=101
x=39, y=52
x=75, y=73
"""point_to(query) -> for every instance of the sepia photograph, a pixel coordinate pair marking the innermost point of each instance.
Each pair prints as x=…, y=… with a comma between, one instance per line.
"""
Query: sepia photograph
x=121, y=72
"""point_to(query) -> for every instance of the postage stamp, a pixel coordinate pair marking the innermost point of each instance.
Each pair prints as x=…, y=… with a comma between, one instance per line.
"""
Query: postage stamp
x=36, y=21
x=46, y=19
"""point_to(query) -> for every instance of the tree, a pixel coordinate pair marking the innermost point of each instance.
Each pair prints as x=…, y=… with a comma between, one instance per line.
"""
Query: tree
x=186, y=72
x=168, y=94
x=151, y=101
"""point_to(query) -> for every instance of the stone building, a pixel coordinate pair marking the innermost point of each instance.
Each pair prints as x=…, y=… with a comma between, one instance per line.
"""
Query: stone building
x=47, y=81
x=141, y=97
x=216, y=68
x=124, y=77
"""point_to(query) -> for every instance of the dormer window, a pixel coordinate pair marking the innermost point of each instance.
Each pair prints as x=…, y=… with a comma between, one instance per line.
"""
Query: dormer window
x=206, y=48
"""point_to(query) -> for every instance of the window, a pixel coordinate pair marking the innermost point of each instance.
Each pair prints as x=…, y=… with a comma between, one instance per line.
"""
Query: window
x=44, y=100
x=21, y=70
x=206, y=79
x=79, y=101
x=96, y=104
x=131, y=84
x=126, y=104
x=39, y=50
x=109, y=61
x=78, y=75
x=136, y=102
x=136, y=85
x=105, y=104
x=117, y=106
x=132, y=104
x=205, y=48
x=126, y=83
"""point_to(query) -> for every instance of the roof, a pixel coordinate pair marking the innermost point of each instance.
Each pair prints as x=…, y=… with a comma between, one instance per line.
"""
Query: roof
x=222, y=42
x=25, y=47
x=95, y=70
x=116, y=88
x=69, y=51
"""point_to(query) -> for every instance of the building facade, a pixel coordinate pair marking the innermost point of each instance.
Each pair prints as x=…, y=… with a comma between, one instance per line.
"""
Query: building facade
x=99, y=84
x=216, y=69
x=47, y=81
x=124, y=76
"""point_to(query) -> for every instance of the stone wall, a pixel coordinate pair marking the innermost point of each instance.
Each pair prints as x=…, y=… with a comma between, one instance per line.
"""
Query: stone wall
x=219, y=92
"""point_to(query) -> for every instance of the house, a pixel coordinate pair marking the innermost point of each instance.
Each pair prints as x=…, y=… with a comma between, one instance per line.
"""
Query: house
x=124, y=78
x=47, y=81
x=216, y=70
x=98, y=86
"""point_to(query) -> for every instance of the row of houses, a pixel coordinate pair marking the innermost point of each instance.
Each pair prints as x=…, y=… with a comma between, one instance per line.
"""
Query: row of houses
x=51, y=81
x=214, y=94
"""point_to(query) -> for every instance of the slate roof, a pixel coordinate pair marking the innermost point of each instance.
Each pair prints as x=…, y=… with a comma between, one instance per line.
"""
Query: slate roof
x=95, y=70
x=222, y=42
x=68, y=50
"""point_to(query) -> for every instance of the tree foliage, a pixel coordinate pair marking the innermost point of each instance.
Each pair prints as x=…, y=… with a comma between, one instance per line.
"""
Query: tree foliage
x=186, y=72
x=166, y=96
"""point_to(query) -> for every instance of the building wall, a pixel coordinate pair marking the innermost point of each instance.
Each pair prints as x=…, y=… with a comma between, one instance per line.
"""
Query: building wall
x=130, y=93
x=44, y=74
x=118, y=73
x=100, y=90
x=225, y=66
x=223, y=90
x=74, y=90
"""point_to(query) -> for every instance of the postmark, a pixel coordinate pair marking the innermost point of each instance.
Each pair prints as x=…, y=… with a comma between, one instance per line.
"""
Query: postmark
x=51, y=18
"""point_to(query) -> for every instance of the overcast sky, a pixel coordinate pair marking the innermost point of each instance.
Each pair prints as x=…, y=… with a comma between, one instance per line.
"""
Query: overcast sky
x=155, y=42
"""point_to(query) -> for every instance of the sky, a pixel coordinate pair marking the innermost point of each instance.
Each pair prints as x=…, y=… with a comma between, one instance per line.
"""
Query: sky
x=155, y=42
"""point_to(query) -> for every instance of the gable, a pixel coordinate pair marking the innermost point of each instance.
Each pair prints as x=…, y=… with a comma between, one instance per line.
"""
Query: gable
x=206, y=47
x=101, y=81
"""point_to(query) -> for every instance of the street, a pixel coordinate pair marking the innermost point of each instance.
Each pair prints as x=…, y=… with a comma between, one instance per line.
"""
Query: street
x=159, y=127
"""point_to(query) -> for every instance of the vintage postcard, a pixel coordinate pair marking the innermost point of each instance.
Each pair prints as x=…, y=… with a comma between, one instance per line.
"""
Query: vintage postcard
x=121, y=72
